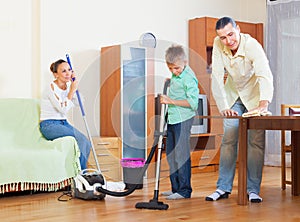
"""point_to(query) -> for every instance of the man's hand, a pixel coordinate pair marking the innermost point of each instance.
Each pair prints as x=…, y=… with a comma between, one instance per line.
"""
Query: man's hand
x=229, y=112
x=263, y=105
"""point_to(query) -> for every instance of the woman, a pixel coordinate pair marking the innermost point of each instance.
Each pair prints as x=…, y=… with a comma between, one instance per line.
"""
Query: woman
x=58, y=99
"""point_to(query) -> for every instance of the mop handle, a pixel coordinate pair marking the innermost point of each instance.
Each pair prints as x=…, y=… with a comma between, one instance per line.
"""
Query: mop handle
x=77, y=92
x=85, y=121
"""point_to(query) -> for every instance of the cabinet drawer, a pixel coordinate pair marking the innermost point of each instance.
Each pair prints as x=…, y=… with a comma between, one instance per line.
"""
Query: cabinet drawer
x=107, y=149
x=100, y=152
x=105, y=159
x=106, y=142
x=206, y=157
x=110, y=171
x=109, y=167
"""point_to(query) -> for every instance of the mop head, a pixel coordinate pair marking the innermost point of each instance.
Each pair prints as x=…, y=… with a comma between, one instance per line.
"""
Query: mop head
x=152, y=205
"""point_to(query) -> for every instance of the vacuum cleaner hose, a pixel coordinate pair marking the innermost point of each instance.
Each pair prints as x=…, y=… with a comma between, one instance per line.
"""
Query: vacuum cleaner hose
x=141, y=174
x=157, y=135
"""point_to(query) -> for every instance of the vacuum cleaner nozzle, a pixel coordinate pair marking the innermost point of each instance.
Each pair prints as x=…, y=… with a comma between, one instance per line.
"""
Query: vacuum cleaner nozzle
x=152, y=204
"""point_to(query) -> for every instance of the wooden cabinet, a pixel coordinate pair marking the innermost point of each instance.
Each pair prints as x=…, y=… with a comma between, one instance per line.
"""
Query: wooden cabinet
x=204, y=150
x=127, y=97
x=108, y=155
x=201, y=37
x=204, y=154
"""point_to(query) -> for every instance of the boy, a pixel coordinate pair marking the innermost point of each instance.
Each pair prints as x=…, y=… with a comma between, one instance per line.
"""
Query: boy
x=182, y=103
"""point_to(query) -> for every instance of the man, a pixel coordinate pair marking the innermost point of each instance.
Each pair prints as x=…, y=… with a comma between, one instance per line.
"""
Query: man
x=248, y=87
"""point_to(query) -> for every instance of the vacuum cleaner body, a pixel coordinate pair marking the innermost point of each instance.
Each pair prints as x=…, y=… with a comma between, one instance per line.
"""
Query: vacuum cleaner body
x=85, y=186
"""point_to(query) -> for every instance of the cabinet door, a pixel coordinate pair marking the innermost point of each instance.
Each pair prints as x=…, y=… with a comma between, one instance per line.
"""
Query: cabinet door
x=110, y=80
x=253, y=29
x=127, y=97
x=210, y=30
x=133, y=97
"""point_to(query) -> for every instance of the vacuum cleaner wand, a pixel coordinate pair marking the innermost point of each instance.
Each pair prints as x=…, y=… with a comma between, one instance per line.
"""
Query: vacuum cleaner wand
x=84, y=119
x=154, y=204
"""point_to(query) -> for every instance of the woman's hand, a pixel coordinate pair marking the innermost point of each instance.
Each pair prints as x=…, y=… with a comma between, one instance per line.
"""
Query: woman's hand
x=74, y=82
x=73, y=75
x=73, y=86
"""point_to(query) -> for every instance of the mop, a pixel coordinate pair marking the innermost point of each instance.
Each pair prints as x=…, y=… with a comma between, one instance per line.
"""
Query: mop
x=86, y=181
x=84, y=119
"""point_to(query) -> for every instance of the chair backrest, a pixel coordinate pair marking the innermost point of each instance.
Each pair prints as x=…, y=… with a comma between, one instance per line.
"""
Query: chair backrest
x=294, y=111
x=287, y=107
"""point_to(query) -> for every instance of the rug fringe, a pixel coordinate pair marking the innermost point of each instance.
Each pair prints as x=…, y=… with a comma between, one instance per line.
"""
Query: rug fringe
x=23, y=186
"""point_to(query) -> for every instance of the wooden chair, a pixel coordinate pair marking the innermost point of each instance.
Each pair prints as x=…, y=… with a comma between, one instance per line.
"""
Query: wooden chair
x=285, y=148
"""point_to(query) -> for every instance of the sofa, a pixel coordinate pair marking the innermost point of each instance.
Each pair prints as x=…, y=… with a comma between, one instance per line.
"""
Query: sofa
x=27, y=160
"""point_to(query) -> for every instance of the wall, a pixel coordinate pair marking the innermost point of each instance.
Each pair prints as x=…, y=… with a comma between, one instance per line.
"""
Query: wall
x=38, y=32
x=15, y=48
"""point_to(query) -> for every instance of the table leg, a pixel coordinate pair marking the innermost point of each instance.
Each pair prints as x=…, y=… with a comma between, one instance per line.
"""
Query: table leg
x=242, y=158
x=295, y=143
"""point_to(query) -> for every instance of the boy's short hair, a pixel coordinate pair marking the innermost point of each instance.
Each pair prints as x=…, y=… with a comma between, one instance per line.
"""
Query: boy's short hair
x=174, y=54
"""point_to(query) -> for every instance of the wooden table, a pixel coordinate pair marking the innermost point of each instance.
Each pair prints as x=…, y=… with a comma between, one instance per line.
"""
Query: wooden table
x=291, y=123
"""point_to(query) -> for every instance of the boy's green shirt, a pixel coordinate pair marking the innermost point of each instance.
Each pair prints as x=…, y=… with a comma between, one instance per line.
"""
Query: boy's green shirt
x=183, y=87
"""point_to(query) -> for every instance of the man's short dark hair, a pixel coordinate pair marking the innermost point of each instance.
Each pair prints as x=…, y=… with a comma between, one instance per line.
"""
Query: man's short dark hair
x=222, y=22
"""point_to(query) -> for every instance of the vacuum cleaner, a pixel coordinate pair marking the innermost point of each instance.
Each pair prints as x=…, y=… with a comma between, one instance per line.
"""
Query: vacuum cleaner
x=153, y=203
x=89, y=185
x=85, y=185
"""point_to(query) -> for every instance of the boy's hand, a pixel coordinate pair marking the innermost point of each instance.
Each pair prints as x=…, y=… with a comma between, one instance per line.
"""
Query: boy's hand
x=165, y=99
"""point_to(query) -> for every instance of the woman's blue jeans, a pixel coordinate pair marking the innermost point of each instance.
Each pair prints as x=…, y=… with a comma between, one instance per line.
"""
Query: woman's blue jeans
x=178, y=156
x=53, y=129
x=228, y=154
